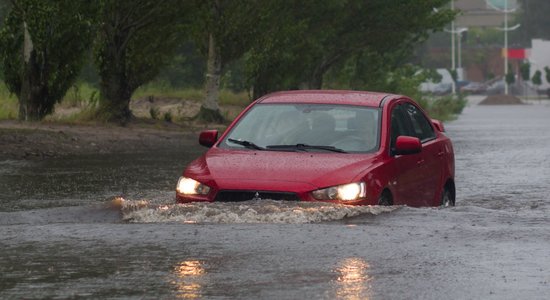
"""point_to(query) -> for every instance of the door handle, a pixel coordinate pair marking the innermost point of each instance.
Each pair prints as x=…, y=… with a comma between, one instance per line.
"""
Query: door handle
x=420, y=162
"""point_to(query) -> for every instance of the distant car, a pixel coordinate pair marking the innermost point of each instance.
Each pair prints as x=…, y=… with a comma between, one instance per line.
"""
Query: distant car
x=496, y=87
x=474, y=88
x=347, y=147
x=443, y=88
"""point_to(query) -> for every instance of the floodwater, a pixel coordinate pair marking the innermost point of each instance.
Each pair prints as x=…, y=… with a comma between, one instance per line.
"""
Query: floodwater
x=59, y=239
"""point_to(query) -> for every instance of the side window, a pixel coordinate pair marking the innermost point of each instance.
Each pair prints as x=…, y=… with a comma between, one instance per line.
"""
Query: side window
x=398, y=124
x=421, y=125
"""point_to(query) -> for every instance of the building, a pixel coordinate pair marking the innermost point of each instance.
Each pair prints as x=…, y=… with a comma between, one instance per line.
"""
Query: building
x=482, y=13
x=539, y=58
x=477, y=62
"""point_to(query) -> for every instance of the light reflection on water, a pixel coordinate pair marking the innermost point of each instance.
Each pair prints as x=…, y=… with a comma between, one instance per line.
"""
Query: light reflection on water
x=353, y=279
x=187, y=279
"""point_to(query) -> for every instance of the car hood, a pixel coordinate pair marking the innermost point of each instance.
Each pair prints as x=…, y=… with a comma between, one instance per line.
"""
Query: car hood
x=311, y=168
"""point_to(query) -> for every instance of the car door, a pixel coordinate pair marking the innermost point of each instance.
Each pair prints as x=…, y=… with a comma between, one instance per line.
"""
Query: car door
x=408, y=181
x=430, y=166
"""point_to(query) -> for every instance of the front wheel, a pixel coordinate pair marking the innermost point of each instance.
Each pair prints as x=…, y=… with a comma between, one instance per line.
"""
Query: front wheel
x=385, y=199
x=447, y=198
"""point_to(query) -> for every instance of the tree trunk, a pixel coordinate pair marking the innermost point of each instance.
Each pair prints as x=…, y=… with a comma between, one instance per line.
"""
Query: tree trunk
x=116, y=92
x=210, y=109
x=316, y=80
x=33, y=96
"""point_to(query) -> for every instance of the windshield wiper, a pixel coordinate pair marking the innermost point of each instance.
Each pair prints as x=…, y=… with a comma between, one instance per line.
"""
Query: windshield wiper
x=247, y=144
x=305, y=147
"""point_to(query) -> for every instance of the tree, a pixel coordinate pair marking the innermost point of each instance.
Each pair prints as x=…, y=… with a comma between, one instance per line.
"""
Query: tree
x=525, y=69
x=137, y=38
x=5, y=7
x=537, y=78
x=547, y=72
x=316, y=37
x=43, y=46
x=510, y=77
x=224, y=30
x=534, y=19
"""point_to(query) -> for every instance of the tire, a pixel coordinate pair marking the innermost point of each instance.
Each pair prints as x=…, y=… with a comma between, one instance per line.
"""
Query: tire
x=447, y=198
x=385, y=199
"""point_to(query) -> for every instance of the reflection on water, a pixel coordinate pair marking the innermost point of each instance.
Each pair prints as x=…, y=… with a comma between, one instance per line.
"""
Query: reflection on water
x=187, y=280
x=353, y=279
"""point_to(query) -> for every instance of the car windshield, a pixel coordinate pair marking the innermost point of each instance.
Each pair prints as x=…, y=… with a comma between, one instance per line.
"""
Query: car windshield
x=307, y=127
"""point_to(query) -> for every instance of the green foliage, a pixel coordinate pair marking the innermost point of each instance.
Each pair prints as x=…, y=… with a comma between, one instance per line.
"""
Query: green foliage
x=525, y=69
x=547, y=73
x=445, y=108
x=5, y=8
x=534, y=19
x=510, y=78
x=154, y=113
x=80, y=94
x=483, y=37
x=319, y=36
x=160, y=89
x=234, y=24
x=8, y=103
x=454, y=75
x=537, y=78
x=59, y=33
x=185, y=69
x=136, y=40
x=168, y=117
x=265, y=46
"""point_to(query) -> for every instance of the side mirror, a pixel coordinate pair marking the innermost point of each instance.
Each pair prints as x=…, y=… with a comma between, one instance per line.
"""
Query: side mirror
x=208, y=138
x=438, y=125
x=407, y=145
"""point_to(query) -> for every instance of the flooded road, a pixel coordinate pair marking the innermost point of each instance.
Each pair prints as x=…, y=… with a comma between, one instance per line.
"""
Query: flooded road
x=58, y=238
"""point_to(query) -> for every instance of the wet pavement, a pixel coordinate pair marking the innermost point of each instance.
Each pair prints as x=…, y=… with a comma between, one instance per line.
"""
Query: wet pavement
x=59, y=239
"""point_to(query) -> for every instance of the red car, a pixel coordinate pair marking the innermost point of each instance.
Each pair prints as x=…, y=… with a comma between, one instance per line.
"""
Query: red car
x=347, y=147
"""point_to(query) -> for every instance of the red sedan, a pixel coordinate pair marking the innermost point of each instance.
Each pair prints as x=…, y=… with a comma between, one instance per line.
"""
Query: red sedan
x=347, y=147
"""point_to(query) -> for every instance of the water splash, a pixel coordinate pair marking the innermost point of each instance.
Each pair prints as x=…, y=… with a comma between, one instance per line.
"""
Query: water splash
x=261, y=211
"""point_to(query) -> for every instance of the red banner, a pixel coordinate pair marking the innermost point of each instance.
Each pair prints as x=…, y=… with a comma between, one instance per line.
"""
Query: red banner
x=516, y=53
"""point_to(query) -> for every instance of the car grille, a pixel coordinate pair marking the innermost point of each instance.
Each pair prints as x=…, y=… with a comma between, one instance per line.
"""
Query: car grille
x=236, y=196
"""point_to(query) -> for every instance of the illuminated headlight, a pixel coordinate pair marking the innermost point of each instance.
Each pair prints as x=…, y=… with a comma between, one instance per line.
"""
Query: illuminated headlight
x=188, y=186
x=346, y=192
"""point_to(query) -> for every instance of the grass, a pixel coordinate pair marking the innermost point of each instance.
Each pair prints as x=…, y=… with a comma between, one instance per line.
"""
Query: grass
x=81, y=94
x=81, y=101
x=161, y=90
x=445, y=108
x=8, y=103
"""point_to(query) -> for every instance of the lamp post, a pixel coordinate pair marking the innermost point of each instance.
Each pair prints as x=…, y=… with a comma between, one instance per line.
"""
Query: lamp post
x=453, y=66
x=454, y=33
x=506, y=11
x=460, y=31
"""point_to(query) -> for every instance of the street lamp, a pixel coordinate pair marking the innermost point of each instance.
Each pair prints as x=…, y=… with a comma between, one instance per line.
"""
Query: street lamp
x=459, y=32
x=506, y=11
x=455, y=32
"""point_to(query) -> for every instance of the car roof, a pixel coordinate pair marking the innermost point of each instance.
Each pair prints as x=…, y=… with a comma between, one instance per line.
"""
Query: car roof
x=363, y=98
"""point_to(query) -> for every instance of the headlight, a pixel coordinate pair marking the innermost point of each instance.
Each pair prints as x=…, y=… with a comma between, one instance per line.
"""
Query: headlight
x=346, y=192
x=188, y=186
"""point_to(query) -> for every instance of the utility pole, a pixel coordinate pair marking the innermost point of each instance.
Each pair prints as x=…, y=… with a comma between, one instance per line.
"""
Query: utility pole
x=506, y=11
x=453, y=65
